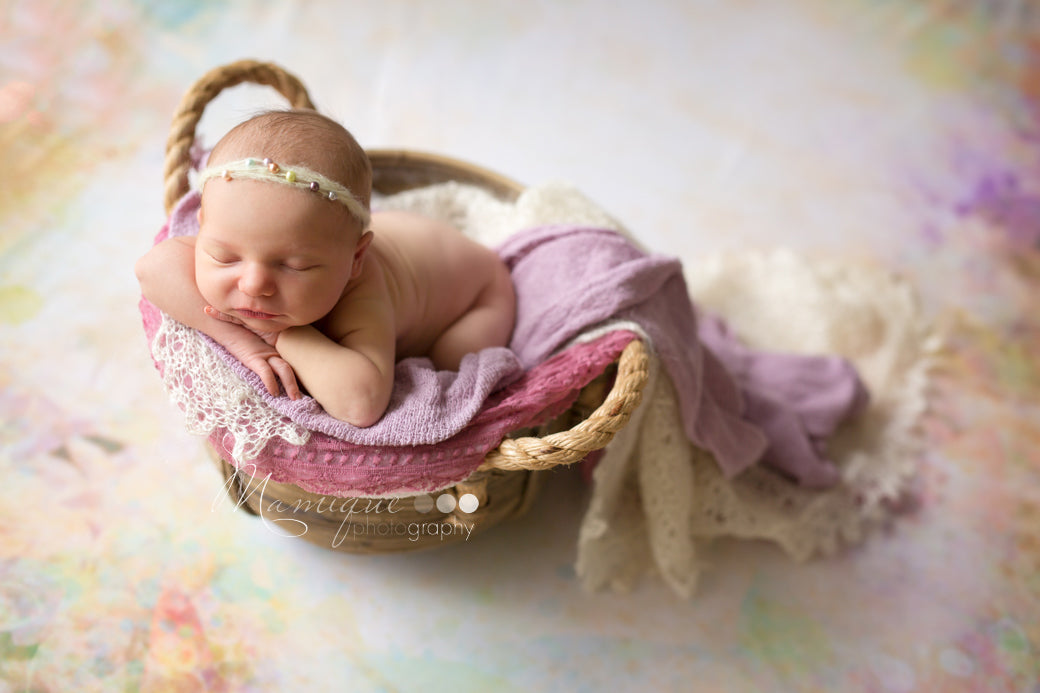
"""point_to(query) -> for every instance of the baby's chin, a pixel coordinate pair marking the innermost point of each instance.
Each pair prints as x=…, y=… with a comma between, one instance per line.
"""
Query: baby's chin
x=273, y=325
x=278, y=323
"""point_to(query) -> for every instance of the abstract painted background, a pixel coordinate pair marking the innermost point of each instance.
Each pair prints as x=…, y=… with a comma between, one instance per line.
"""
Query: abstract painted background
x=903, y=134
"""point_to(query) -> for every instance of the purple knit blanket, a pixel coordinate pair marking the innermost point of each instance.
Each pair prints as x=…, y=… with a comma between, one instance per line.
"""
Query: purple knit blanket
x=743, y=406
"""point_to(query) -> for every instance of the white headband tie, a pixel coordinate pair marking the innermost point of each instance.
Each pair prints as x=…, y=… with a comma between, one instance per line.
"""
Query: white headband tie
x=296, y=176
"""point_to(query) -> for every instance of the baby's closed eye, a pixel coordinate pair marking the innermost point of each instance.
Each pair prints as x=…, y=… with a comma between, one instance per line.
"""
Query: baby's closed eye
x=300, y=266
x=221, y=259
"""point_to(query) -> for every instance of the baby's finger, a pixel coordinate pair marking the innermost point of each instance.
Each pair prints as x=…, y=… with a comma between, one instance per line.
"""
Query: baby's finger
x=218, y=315
x=268, y=377
x=288, y=377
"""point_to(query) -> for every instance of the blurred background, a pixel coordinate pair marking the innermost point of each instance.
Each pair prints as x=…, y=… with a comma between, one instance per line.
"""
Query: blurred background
x=900, y=134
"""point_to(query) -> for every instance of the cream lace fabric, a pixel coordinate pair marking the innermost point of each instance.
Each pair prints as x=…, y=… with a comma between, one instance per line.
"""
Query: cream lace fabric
x=657, y=499
x=213, y=396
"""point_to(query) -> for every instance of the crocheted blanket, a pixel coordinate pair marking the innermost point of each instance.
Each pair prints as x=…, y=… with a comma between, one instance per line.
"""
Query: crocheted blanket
x=658, y=501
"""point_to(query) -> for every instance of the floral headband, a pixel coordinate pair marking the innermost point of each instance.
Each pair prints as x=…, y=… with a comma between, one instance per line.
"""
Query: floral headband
x=296, y=176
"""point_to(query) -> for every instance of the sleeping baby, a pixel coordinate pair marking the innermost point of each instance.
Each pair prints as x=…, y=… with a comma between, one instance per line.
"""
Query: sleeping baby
x=301, y=284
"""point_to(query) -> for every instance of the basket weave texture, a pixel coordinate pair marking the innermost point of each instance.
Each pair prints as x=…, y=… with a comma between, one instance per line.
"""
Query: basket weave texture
x=506, y=482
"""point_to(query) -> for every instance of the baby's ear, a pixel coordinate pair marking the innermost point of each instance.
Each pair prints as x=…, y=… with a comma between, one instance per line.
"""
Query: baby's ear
x=359, y=254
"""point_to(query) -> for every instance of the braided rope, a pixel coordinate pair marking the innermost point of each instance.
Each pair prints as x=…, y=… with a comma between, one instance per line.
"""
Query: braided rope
x=568, y=447
x=188, y=114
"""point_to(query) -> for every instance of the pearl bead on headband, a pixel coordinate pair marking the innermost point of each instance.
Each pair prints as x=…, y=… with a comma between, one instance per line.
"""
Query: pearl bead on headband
x=296, y=176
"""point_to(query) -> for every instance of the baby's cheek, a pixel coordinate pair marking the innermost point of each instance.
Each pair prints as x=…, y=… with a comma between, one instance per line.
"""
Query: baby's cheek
x=319, y=298
x=209, y=287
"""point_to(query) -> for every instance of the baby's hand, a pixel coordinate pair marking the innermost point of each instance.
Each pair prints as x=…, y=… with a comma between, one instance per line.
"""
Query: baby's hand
x=256, y=350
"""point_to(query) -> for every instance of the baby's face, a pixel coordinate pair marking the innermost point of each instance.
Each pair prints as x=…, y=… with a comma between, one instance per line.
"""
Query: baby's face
x=270, y=255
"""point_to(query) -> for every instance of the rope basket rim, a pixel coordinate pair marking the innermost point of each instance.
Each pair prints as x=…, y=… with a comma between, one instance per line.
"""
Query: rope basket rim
x=512, y=454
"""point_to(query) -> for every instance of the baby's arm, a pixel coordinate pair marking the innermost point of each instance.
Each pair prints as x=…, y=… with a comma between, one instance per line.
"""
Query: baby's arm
x=167, y=277
x=352, y=378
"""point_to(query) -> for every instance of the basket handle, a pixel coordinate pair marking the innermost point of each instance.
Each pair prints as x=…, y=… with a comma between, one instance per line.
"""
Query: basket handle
x=189, y=113
x=570, y=446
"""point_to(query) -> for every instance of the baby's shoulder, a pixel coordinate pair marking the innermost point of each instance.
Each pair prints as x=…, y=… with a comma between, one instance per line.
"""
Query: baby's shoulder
x=400, y=224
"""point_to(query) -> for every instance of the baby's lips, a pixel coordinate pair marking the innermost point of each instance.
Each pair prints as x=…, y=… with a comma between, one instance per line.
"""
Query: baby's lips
x=255, y=314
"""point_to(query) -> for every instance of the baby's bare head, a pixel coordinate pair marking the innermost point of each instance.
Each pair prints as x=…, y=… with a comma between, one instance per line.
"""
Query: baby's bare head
x=301, y=138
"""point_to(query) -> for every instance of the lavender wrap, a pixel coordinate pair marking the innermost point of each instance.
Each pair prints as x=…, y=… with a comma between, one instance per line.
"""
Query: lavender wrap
x=743, y=406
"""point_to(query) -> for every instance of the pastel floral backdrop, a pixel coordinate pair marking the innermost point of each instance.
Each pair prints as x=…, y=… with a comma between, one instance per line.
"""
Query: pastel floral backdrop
x=904, y=134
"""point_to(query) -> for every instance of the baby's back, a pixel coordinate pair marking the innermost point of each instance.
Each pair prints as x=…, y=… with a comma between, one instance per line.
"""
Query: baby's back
x=434, y=274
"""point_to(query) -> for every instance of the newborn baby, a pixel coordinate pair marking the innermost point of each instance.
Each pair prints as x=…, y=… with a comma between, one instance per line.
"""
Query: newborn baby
x=298, y=281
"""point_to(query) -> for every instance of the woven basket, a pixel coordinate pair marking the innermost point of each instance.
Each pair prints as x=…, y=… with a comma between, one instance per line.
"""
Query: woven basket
x=506, y=482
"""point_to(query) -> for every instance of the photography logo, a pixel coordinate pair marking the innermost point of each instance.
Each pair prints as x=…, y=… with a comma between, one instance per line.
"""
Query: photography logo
x=365, y=517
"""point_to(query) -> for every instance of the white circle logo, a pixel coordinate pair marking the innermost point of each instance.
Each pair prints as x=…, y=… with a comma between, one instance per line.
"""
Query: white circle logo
x=445, y=503
x=468, y=503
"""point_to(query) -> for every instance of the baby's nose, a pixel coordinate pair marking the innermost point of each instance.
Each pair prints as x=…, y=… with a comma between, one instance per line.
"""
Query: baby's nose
x=255, y=281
